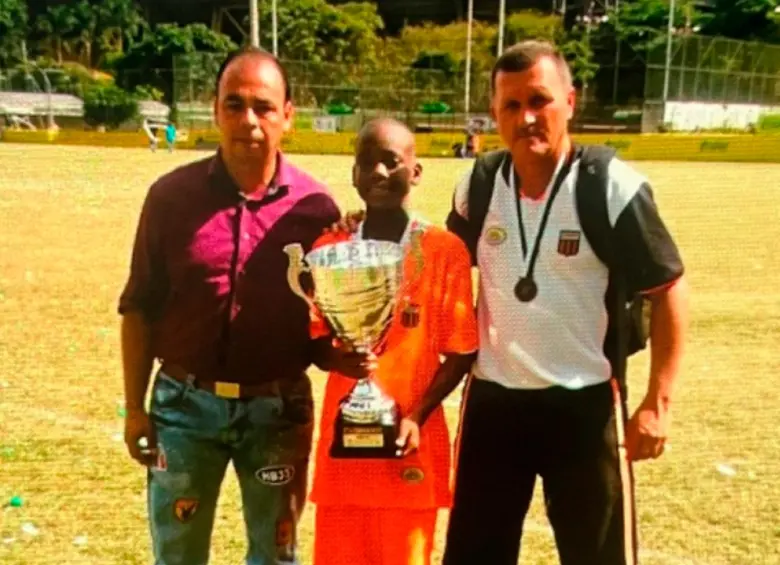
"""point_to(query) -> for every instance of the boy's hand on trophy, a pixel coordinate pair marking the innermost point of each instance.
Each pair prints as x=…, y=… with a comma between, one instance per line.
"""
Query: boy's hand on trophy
x=408, y=436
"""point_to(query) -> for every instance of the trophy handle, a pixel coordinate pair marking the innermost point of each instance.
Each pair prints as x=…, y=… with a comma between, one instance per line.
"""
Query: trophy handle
x=296, y=267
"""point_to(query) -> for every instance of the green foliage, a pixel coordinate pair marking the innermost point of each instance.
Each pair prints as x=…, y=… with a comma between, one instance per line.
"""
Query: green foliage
x=76, y=79
x=173, y=115
x=326, y=44
x=316, y=32
x=642, y=24
x=13, y=29
x=530, y=24
x=108, y=106
x=577, y=49
x=751, y=20
x=436, y=61
x=450, y=38
x=769, y=123
x=58, y=25
x=89, y=30
x=151, y=60
x=148, y=92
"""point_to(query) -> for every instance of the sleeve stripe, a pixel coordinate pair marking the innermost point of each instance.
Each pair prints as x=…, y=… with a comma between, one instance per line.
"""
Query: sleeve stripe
x=661, y=288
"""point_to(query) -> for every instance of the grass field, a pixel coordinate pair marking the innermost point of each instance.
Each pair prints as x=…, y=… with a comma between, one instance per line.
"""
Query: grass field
x=67, y=217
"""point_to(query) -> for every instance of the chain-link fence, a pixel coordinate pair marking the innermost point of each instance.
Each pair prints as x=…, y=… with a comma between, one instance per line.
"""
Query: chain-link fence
x=426, y=98
x=714, y=69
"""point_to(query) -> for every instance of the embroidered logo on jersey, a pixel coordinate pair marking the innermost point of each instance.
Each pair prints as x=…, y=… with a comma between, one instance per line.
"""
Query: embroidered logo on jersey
x=413, y=475
x=568, y=243
x=495, y=235
x=185, y=508
x=410, y=315
x=275, y=475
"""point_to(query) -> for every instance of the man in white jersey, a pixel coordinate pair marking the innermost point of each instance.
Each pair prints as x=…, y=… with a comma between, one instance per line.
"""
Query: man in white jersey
x=543, y=400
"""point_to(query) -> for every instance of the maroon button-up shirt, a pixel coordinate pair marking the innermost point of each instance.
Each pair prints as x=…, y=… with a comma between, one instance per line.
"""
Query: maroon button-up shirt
x=209, y=271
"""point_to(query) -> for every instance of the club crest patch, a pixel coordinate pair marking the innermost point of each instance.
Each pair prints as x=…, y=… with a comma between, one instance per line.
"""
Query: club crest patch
x=495, y=235
x=284, y=533
x=185, y=508
x=569, y=242
x=413, y=475
x=162, y=459
x=410, y=315
x=275, y=475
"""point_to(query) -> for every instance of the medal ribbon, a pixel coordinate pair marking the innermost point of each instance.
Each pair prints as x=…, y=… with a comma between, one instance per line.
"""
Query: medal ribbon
x=563, y=172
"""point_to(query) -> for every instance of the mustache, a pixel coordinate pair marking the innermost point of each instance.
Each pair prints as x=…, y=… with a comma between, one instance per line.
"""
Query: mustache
x=527, y=131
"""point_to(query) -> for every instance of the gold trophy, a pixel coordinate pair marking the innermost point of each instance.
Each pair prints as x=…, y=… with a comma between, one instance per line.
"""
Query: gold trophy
x=356, y=285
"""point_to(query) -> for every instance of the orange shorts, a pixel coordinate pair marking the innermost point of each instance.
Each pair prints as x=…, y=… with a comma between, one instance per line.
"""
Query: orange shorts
x=352, y=535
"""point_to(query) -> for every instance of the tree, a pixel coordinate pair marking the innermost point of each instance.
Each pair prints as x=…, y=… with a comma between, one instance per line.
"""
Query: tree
x=436, y=61
x=108, y=106
x=57, y=24
x=750, y=20
x=642, y=24
x=350, y=32
x=576, y=47
x=326, y=45
x=451, y=39
x=316, y=32
x=150, y=62
x=575, y=43
x=87, y=27
x=13, y=29
x=98, y=27
x=119, y=24
x=530, y=24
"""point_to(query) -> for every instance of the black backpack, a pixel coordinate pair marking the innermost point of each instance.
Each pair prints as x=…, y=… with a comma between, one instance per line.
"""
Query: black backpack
x=626, y=330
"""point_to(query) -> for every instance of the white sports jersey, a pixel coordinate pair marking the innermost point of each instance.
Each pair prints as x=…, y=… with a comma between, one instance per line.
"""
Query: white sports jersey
x=557, y=338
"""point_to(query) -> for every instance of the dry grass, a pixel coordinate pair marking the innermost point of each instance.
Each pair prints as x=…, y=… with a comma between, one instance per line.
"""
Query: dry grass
x=67, y=216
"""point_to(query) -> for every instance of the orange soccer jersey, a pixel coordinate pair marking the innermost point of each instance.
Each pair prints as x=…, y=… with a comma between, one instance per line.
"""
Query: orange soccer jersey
x=441, y=290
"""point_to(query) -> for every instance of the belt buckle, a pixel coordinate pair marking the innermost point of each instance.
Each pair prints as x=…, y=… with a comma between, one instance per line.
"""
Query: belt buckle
x=227, y=390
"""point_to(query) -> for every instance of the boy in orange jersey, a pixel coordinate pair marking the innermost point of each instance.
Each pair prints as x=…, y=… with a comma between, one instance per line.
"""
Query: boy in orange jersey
x=383, y=511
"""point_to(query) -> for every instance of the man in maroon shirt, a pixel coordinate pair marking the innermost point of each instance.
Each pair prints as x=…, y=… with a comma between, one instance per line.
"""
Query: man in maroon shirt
x=207, y=297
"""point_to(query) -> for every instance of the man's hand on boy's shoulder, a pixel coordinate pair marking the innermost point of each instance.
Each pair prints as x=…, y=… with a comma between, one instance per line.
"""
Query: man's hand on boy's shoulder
x=348, y=223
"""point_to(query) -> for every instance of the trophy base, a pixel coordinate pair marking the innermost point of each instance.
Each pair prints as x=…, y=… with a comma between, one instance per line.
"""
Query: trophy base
x=364, y=441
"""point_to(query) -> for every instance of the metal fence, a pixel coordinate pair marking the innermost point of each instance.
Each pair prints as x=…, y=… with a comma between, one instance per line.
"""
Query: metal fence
x=368, y=91
x=714, y=69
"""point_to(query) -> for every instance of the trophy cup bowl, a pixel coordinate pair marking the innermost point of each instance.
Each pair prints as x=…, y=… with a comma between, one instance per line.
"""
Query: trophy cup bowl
x=355, y=288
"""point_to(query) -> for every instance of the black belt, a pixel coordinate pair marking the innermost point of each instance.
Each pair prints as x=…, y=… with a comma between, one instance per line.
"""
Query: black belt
x=223, y=389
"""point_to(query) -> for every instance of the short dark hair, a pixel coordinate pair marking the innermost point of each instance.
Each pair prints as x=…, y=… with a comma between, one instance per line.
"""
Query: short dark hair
x=524, y=55
x=252, y=51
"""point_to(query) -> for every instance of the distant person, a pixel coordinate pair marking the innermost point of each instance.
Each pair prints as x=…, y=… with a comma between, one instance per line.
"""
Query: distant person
x=170, y=136
x=470, y=144
x=208, y=297
x=151, y=134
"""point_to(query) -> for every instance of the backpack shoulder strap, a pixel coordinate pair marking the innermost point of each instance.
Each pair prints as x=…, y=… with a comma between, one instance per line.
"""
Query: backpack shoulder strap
x=593, y=213
x=591, y=198
x=481, y=186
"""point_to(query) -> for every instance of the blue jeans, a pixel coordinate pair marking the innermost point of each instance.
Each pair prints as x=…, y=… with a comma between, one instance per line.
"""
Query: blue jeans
x=268, y=439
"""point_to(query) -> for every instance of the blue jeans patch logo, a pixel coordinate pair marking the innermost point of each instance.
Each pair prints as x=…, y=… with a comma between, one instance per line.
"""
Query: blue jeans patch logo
x=275, y=475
